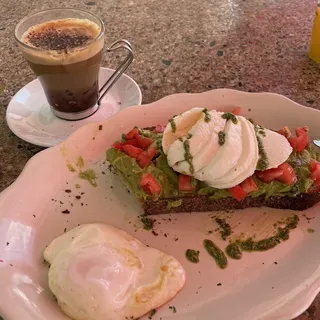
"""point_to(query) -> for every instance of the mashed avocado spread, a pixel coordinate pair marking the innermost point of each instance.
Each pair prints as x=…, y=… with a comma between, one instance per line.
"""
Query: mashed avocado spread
x=131, y=173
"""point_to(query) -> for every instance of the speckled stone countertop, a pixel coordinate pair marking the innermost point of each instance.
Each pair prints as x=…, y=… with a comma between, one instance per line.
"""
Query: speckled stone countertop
x=181, y=45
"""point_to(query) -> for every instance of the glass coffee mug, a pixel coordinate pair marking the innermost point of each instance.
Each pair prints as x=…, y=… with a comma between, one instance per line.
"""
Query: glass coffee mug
x=64, y=48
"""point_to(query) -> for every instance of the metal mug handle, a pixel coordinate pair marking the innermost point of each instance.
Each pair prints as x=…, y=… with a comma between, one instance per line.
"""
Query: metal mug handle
x=119, y=44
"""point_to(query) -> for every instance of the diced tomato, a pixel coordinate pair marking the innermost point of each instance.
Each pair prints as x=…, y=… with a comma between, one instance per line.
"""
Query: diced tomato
x=238, y=192
x=132, y=151
x=145, y=158
x=118, y=145
x=269, y=175
x=288, y=176
x=151, y=152
x=149, y=184
x=132, y=134
x=159, y=128
x=301, y=141
x=143, y=142
x=249, y=185
x=285, y=131
x=236, y=111
x=185, y=183
x=313, y=164
x=315, y=172
x=132, y=142
x=301, y=131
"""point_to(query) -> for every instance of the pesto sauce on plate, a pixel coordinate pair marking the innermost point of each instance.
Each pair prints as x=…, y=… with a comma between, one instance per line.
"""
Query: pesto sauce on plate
x=216, y=253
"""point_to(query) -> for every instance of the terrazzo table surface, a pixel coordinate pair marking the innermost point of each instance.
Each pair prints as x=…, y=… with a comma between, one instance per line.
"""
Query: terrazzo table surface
x=181, y=46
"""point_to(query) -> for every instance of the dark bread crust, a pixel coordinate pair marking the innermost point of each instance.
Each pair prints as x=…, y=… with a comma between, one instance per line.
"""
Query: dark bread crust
x=204, y=203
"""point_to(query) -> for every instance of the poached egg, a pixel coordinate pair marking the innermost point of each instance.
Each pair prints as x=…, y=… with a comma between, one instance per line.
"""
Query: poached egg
x=220, y=148
x=98, y=272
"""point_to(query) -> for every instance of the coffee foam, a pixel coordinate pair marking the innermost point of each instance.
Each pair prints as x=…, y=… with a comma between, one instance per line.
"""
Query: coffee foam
x=71, y=54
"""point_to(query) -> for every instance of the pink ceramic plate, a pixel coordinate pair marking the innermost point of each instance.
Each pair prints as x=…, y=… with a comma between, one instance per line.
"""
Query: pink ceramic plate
x=278, y=284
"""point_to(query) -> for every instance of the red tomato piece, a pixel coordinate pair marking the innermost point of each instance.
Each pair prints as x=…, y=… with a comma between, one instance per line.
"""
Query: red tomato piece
x=149, y=184
x=285, y=131
x=301, y=141
x=249, y=185
x=143, y=142
x=236, y=111
x=151, y=152
x=132, y=151
x=269, y=175
x=132, y=142
x=118, y=145
x=313, y=164
x=301, y=131
x=145, y=158
x=315, y=172
x=159, y=128
x=298, y=143
x=238, y=192
x=185, y=183
x=288, y=176
x=132, y=134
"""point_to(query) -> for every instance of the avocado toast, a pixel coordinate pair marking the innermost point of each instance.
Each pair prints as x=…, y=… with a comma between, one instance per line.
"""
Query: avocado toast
x=207, y=160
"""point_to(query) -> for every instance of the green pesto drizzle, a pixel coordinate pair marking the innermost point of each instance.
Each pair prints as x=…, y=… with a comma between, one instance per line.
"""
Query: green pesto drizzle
x=147, y=223
x=216, y=253
x=233, y=251
x=192, y=255
x=207, y=117
x=222, y=138
x=225, y=228
x=282, y=234
x=187, y=154
x=230, y=116
x=90, y=176
x=263, y=161
x=173, y=125
x=189, y=136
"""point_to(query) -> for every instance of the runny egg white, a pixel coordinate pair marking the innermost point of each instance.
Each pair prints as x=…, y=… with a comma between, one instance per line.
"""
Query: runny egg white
x=98, y=272
x=221, y=164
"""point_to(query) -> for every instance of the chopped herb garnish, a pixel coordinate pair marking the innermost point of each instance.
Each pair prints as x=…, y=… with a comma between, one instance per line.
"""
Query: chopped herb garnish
x=189, y=136
x=216, y=253
x=311, y=230
x=187, y=154
x=225, y=228
x=173, y=125
x=192, y=255
x=147, y=223
x=230, y=116
x=222, y=138
x=152, y=313
x=207, y=116
x=173, y=308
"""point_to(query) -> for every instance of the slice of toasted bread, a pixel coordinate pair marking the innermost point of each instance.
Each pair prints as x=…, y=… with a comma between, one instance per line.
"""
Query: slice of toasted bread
x=204, y=203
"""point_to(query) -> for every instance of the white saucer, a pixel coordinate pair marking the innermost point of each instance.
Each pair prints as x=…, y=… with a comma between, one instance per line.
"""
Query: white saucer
x=29, y=116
